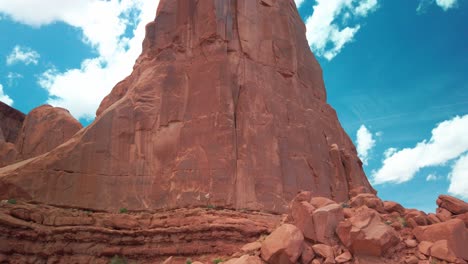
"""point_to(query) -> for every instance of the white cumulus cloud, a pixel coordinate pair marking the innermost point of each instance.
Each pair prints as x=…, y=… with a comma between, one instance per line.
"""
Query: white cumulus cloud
x=103, y=24
x=446, y=4
x=459, y=178
x=449, y=141
x=5, y=98
x=299, y=2
x=327, y=28
x=24, y=55
x=365, y=142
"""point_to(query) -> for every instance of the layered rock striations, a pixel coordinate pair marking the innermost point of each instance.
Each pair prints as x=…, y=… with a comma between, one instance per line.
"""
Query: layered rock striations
x=226, y=106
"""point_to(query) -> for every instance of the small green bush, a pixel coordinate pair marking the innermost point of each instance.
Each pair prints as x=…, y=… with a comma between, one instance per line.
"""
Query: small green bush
x=188, y=261
x=123, y=210
x=402, y=221
x=210, y=206
x=118, y=260
x=345, y=205
x=12, y=201
x=217, y=261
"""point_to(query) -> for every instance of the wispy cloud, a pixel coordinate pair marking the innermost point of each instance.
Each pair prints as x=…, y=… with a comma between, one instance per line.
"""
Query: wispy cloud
x=12, y=77
x=5, y=98
x=432, y=177
x=24, y=55
x=449, y=141
x=444, y=4
x=327, y=29
x=104, y=25
x=365, y=142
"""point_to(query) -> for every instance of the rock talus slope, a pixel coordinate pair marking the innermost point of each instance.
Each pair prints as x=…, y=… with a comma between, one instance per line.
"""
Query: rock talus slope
x=226, y=106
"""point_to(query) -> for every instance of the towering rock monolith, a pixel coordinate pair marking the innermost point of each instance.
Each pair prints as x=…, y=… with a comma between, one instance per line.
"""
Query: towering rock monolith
x=226, y=106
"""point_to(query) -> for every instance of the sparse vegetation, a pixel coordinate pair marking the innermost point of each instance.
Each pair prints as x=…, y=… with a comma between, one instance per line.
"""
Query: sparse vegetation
x=403, y=221
x=217, y=261
x=123, y=210
x=12, y=201
x=118, y=260
x=210, y=206
x=188, y=261
x=345, y=205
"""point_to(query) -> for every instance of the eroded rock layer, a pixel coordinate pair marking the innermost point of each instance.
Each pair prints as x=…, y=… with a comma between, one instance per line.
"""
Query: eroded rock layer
x=226, y=106
x=42, y=234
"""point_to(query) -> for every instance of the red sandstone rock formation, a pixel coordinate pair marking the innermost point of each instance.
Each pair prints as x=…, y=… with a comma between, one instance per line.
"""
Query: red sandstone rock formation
x=11, y=121
x=43, y=129
x=225, y=106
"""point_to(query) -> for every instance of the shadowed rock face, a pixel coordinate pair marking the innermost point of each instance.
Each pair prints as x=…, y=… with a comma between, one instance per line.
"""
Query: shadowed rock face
x=226, y=106
x=11, y=121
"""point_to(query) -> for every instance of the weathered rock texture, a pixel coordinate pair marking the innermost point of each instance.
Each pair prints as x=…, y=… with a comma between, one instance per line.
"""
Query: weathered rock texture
x=11, y=121
x=44, y=234
x=43, y=129
x=226, y=106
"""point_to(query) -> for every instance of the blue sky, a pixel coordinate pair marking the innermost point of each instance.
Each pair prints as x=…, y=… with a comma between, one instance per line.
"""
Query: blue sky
x=396, y=72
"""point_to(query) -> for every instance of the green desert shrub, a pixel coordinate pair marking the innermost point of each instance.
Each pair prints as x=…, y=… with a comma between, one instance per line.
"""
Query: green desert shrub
x=118, y=260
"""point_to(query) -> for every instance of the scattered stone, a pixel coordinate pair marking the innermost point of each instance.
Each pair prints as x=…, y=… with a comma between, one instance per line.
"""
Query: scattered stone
x=453, y=231
x=345, y=257
x=452, y=204
x=411, y=243
x=283, y=246
x=366, y=234
x=308, y=254
x=391, y=207
x=425, y=247
x=369, y=200
x=251, y=247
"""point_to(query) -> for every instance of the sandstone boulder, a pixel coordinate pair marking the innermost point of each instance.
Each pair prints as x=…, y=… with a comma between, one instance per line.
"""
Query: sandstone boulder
x=441, y=250
x=325, y=251
x=283, y=246
x=366, y=234
x=302, y=214
x=391, y=207
x=326, y=219
x=369, y=200
x=452, y=204
x=453, y=231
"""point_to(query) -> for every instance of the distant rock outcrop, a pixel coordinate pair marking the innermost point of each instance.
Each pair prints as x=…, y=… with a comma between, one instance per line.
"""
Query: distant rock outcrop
x=226, y=106
x=42, y=130
x=11, y=121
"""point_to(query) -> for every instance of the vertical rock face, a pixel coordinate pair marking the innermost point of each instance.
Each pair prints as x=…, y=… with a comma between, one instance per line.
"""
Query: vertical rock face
x=226, y=106
x=11, y=121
